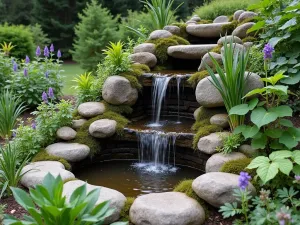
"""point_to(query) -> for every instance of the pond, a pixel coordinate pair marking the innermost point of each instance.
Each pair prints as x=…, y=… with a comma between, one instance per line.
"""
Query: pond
x=132, y=179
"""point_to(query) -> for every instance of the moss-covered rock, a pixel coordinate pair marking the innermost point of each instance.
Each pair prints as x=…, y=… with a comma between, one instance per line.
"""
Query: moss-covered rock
x=196, y=77
x=217, y=49
x=229, y=28
x=204, y=131
x=237, y=166
x=207, y=113
x=249, y=39
x=182, y=27
x=44, y=156
x=124, y=214
x=120, y=109
x=134, y=82
x=199, y=124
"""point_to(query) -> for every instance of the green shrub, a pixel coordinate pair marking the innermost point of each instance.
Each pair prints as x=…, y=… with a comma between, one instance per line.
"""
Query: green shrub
x=217, y=49
x=20, y=37
x=256, y=60
x=229, y=28
x=45, y=156
x=204, y=131
x=197, y=77
x=39, y=37
x=6, y=69
x=124, y=214
x=217, y=8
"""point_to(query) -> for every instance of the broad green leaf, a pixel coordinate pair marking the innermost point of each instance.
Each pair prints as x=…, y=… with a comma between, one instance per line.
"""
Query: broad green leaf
x=267, y=172
x=288, y=24
x=282, y=111
x=278, y=89
x=296, y=170
x=274, y=79
x=286, y=123
x=296, y=156
x=292, y=79
x=261, y=117
x=285, y=166
x=239, y=129
x=22, y=198
x=259, y=161
x=259, y=143
x=274, y=41
x=257, y=26
x=254, y=92
x=274, y=144
x=249, y=132
x=253, y=103
x=280, y=155
x=288, y=140
x=273, y=133
x=242, y=109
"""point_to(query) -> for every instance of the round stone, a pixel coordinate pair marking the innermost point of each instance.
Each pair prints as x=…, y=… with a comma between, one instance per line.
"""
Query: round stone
x=208, y=144
x=168, y=208
x=237, y=14
x=221, y=19
x=246, y=15
x=189, y=51
x=248, y=151
x=157, y=34
x=212, y=30
x=146, y=58
x=91, y=109
x=237, y=48
x=103, y=128
x=66, y=133
x=241, y=31
x=220, y=119
x=195, y=18
x=145, y=47
x=228, y=39
x=206, y=60
x=76, y=124
x=173, y=29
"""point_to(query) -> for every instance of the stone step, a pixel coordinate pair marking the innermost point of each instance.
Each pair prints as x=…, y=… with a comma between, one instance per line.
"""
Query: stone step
x=212, y=30
x=190, y=51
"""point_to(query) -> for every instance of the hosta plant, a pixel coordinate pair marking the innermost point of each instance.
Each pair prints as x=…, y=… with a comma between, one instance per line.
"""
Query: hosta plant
x=46, y=205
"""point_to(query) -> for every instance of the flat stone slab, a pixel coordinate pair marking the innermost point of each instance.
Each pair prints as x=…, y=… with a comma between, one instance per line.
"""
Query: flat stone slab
x=117, y=199
x=190, y=51
x=72, y=152
x=39, y=170
x=168, y=208
x=91, y=109
x=212, y=30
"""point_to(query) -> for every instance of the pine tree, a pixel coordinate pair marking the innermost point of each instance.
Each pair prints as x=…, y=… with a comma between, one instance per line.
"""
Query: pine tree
x=95, y=30
x=121, y=7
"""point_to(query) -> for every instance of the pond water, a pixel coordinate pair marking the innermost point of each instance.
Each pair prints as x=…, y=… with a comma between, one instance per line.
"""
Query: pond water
x=131, y=179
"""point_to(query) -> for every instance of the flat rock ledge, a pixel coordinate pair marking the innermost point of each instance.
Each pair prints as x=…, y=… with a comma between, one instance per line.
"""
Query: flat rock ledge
x=72, y=152
x=91, y=109
x=209, y=143
x=117, y=199
x=212, y=30
x=39, y=170
x=168, y=208
x=66, y=133
x=217, y=188
x=190, y=51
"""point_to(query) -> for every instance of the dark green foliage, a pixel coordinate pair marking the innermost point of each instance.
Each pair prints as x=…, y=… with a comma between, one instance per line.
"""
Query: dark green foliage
x=16, y=11
x=21, y=38
x=182, y=27
x=197, y=77
x=40, y=38
x=94, y=31
x=124, y=214
x=217, y=49
x=120, y=109
x=204, y=131
x=228, y=28
x=44, y=156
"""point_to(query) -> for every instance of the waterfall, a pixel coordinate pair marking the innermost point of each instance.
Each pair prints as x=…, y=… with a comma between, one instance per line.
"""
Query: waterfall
x=178, y=79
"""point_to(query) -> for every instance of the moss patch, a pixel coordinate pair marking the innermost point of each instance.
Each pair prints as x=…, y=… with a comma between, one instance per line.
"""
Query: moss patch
x=207, y=113
x=237, y=166
x=120, y=109
x=44, y=156
x=124, y=214
x=205, y=21
x=229, y=28
x=249, y=39
x=217, y=49
x=230, y=18
x=134, y=82
x=204, y=131
x=76, y=115
x=142, y=67
x=198, y=124
x=182, y=27
x=197, y=77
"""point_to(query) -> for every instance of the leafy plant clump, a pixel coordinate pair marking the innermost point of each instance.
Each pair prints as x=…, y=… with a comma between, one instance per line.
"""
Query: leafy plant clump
x=197, y=77
x=44, y=156
x=256, y=60
x=124, y=214
x=230, y=143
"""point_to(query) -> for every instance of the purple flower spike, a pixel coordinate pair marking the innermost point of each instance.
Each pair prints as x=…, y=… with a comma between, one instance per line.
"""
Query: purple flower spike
x=244, y=180
x=27, y=59
x=45, y=97
x=38, y=51
x=15, y=67
x=51, y=48
x=268, y=51
x=50, y=93
x=25, y=72
x=46, y=51
x=297, y=177
x=33, y=125
x=14, y=134
x=47, y=74
x=58, y=54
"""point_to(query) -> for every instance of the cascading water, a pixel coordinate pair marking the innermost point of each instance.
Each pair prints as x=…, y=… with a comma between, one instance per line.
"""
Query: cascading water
x=178, y=79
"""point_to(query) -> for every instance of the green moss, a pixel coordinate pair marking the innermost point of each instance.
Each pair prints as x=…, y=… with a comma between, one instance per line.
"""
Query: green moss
x=44, y=156
x=207, y=113
x=229, y=28
x=134, y=82
x=124, y=214
x=182, y=27
x=230, y=18
x=120, y=109
x=247, y=21
x=217, y=49
x=159, y=68
x=70, y=179
x=205, y=21
x=180, y=40
x=76, y=115
x=199, y=124
x=83, y=137
x=204, y=131
x=249, y=39
x=197, y=77
x=142, y=67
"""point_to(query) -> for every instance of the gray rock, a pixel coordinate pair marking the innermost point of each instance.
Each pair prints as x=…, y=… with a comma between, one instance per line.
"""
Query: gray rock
x=76, y=124
x=189, y=51
x=206, y=60
x=208, y=96
x=117, y=90
x=66, y=133
x=173, y=29
x=195, y=18
x=71, y=152
x=217, y=188
x=146, y=58
x=237, y=48
x=229, y=38
x=117, y=199
x=145, y=47
x=241, y=31
x=103, y=128
x=36, y=172
x=168, y=208
x=191, y=22
x=221, y=19
x=248, y=45
x=216, y=161
x=246, y=15
x=248, y=151
x=91, y=109
x=206, y=30
x=237, y=14
x=159, y=34
x=209, y=144
x=220, y=120
x=197, y=111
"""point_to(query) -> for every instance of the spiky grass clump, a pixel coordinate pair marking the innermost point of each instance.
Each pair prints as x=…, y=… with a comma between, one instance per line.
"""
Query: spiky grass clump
x=120, y=109
x=197, y=77
x=204, y=131
x=229, y=28
x=45, y=156
x=124, y=214
x=217, y=49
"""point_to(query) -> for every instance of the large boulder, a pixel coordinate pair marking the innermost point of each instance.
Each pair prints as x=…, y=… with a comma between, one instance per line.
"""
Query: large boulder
x=173, y=29
x=91, y=109
x=157, y=34
x=246, y=15
x=169, y=208
x=228, y=39
x=145, y=47
x=208, y=96
x=220, y=120
x=117, y=199
x=66, y=133
x=146, y=58
x=241, y=31
x=117, y=90
x=216, y=161
x=189, y=51
x=206, y=60
x=221, y=19
x=212, y=30
x=208, y=144
x=76, y=124
x=71, y=152
x=218, y=188
x=103, y=128
x=237, y=14
x=34, y=173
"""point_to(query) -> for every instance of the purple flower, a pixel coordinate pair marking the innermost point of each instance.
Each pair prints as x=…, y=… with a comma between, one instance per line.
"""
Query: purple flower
x=25, y=72
x=50, y=93
x=244, y=180
x=51, y=48
x=33, y=125
x=46, y=51
x=14, y=134
x=45, y=97
x=27, y=59
x=268, y=51
x=283, y=216
x=12, y=61
x=297, y=177
x=47, y=74
x=15, y=67
x=38, y=51
x=58, y=54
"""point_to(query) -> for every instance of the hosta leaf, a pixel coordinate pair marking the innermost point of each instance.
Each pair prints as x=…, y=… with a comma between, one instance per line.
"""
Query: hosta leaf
x=294, y=79
x=280, y=155
x=261, y=117
x=249, y=132
x=259, y=143
x=296, y=156
x=286, y=123
x=282, y=111
x=285, y=165
x=273, y=133
x=259, y=161
x=242, y=109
